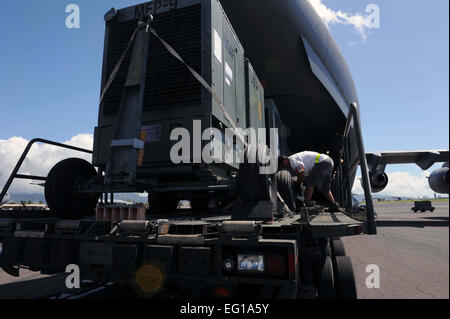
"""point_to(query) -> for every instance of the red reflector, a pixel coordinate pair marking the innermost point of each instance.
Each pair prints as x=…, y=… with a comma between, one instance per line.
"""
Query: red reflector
x=222, y=292
x=275, y=263
x=292, y=263
x=358, y=230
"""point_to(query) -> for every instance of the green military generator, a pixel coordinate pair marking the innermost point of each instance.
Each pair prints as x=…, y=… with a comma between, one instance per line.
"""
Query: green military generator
x=173, y=98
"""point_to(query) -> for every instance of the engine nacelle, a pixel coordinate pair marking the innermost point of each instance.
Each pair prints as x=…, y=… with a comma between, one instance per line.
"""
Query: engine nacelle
x=378, y=181
x=438, y=180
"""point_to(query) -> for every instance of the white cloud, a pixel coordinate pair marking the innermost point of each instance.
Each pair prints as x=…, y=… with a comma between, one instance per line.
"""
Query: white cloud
x=402, y=184
x=329, y=16
x=40, y=159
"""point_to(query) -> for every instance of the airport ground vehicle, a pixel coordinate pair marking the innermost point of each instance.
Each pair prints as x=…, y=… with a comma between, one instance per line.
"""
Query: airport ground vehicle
x=422, y=206
x=239, y=239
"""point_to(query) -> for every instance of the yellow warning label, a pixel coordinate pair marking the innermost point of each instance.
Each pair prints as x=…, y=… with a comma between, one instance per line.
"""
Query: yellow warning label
x=259, y=109
x=143, y=136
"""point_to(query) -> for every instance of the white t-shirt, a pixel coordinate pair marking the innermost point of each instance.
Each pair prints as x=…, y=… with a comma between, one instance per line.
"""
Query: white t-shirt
x=304, y=161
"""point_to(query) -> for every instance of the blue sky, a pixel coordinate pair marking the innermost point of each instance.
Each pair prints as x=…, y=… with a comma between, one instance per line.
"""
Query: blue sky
x=50, y=75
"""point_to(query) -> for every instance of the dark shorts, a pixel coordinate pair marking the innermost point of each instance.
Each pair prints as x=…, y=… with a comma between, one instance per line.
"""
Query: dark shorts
x=320, y=176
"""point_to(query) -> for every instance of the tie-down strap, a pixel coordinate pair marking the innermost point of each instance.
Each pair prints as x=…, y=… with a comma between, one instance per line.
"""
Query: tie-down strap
x=172, y=51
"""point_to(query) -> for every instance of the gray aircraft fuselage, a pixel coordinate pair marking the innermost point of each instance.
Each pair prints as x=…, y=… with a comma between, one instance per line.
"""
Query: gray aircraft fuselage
x=301, y=68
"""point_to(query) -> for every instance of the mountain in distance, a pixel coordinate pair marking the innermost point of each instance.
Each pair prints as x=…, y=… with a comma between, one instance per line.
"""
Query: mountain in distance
x=135, y=198
x=39, y=197
x=27, y=197
x=376, y=197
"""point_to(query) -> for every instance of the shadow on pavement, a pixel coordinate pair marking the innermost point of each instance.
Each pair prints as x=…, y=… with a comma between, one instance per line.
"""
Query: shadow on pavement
x=413, y=223
x=436, y=218
x=34, y=288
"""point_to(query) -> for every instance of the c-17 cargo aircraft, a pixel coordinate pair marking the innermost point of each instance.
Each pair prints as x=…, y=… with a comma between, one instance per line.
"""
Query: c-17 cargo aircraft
x=438, y=179
x=305, y=74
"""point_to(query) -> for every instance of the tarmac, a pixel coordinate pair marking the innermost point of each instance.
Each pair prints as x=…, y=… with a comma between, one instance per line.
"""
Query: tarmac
x=411, y=251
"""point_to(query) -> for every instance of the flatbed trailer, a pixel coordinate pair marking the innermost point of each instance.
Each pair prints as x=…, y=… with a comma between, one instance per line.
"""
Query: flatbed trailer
x=198, y=254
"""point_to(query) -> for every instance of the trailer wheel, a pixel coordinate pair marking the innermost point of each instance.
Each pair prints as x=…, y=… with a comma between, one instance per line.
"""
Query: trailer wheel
x=161, y=203
x=251, y=185
x=326, y=289
x=344, y=278
x=325, y=247
x=285, y=188
x=337, y=247
x=61, y=189
x=48, y=191
x=328, y=251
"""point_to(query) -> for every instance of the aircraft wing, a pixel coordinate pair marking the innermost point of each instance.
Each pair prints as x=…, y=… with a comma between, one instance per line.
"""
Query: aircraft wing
x=38, y=184
x=424, y=159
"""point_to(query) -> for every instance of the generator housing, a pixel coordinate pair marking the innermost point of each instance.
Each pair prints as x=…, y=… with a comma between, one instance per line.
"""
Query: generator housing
x=203, y=36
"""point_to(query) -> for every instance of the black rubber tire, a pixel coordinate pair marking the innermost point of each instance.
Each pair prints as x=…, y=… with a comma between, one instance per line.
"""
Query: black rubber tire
x=344, y=278
x=328, y=251
x=251, y=185
x=337, y=248
x=285, y=188
x=325, y=248
x=48, y=191
x=162, y=203
x=60, y=189
x=326, y=288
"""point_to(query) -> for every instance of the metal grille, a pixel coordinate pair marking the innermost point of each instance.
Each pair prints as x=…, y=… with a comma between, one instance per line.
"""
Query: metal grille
x=168, y=82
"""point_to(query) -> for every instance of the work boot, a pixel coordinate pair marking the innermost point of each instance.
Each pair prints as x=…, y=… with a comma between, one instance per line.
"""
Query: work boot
x=334, y=207
x=310, y=203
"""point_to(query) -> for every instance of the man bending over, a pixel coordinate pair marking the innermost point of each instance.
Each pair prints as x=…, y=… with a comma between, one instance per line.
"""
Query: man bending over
x=314, y=169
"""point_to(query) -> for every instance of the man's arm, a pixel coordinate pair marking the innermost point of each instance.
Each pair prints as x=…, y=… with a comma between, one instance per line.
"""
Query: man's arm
x=301, y=177
x=299, y=171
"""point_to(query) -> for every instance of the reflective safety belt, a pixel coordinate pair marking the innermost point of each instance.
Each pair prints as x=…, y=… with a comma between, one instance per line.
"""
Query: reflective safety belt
x=317, y=158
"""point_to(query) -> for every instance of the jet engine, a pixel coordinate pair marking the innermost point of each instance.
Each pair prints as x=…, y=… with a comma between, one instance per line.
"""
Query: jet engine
x=378, y=181
x=438, y=180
